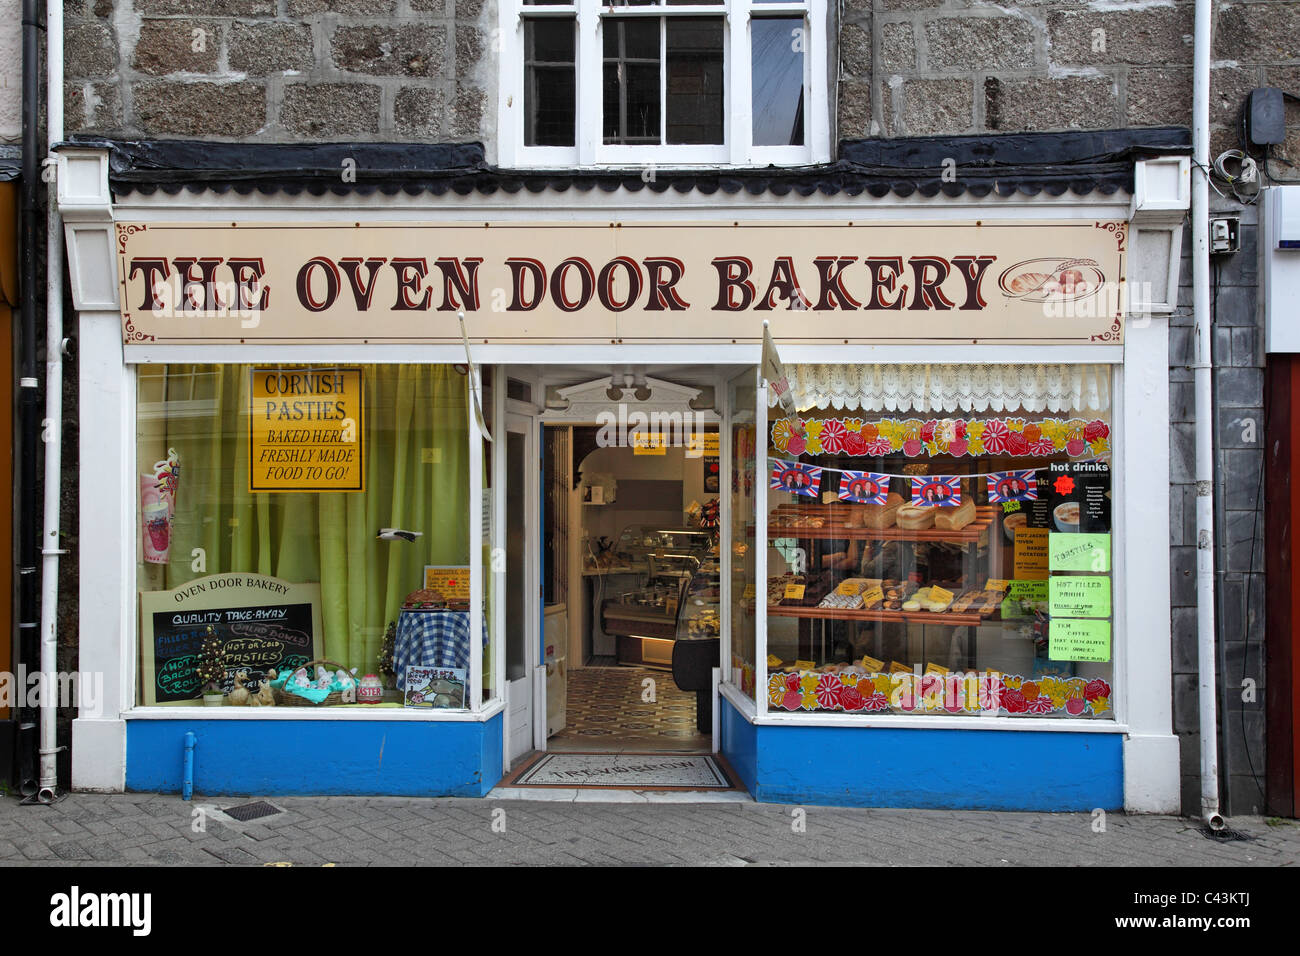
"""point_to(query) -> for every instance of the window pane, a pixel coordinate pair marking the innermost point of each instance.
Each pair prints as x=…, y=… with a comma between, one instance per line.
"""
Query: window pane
x=695, y=81
x=550, y=99
x=941, y=563
x=631, y=81
x=778, y=81
x=291, y=572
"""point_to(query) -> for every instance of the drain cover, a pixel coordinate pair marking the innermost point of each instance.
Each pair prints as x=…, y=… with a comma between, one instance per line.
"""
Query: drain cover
x=1226, y=835
x=252, y=811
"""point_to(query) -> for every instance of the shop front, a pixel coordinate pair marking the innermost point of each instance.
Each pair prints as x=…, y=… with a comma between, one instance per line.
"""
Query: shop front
x=941, y=551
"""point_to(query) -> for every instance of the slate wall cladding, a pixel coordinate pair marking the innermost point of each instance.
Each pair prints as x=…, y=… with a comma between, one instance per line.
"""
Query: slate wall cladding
x=280, y=70
x=1239, y=526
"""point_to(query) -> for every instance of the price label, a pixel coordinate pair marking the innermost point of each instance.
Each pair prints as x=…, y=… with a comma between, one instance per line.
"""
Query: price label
x=873, y=665
x=897, y=668
x=996, y=584
x=847, y=587
x=935, y=669
x=873, y=596
x=773, y=660
x=749, y=591
x=795, y=591
x=939, y=594
x=805, y=665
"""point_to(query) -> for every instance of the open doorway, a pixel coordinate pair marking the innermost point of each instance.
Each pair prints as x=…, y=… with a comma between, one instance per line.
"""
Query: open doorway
x=631, y=513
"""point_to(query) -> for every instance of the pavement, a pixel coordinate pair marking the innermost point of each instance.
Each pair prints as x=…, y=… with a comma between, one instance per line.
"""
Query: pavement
x=593, y=827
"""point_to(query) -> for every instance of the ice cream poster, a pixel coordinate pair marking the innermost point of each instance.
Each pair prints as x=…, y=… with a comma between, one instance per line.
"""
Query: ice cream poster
x=158, y=505
x=442, y=688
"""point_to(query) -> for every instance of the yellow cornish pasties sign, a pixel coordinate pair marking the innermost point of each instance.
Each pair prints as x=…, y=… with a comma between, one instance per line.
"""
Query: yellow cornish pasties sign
x=305, y=430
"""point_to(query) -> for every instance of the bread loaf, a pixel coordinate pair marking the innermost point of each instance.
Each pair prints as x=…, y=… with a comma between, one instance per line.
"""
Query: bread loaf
x=954, y=519
x=880, y=516
x=912, y=518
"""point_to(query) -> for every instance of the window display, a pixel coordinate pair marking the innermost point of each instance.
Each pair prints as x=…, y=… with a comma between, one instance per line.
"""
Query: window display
x=947, y=559
x=286, y=511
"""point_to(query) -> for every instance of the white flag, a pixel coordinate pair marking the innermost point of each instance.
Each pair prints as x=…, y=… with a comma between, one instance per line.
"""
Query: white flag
x=774, y=372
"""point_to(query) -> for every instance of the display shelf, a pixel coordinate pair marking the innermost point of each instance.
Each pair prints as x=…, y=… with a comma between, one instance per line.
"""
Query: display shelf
x=836, y=515
x=944, y=618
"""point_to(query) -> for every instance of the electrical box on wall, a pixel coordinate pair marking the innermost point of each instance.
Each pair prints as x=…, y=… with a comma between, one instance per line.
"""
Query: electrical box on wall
x=1281, y=252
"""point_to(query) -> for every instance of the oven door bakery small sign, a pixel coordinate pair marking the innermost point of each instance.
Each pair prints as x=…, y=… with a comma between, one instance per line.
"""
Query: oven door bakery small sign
x=614, y=282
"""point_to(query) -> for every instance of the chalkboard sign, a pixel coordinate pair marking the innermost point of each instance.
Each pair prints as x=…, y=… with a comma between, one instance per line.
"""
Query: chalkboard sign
x=262, y=623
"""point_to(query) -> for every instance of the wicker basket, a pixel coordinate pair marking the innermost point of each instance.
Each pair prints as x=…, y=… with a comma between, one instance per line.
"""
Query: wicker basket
x=285, y=699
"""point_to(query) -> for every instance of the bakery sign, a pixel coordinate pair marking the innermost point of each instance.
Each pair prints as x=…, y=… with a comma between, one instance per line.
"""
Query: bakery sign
x=615, y=283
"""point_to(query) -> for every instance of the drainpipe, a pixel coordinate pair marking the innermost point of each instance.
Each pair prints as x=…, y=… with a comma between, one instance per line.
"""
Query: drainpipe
x=28, y=612
x=1204, y=415
x=54, y=345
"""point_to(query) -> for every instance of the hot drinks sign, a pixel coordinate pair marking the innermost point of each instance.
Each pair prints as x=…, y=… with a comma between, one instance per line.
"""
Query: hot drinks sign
x=830, y=282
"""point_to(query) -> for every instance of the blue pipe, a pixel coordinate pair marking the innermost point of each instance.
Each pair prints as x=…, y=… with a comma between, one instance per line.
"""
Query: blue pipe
x=187, y=786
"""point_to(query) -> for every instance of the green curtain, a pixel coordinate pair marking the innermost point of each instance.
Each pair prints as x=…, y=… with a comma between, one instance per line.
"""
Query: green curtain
x=417, y=478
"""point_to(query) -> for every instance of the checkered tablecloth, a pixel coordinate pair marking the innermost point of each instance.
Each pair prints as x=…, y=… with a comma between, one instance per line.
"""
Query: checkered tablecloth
x=432, y=639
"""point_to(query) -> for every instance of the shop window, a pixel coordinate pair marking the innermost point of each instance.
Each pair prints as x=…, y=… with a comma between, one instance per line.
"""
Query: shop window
x=290, y=513
x=664, y=81
x=940, y=542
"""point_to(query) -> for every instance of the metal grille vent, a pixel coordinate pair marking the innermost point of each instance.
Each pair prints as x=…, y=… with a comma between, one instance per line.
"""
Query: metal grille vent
x=251, y=811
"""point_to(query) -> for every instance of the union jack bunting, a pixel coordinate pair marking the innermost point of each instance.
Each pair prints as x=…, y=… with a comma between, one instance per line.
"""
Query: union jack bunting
x=1013, y=486
x=796, y=478
x=865, y=487
x=938, y=490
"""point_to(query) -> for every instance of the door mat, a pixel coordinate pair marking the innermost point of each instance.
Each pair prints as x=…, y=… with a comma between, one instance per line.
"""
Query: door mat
x=626, y=771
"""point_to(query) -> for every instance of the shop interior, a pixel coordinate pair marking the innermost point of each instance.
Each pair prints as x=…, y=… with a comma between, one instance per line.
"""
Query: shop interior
x=630, y=557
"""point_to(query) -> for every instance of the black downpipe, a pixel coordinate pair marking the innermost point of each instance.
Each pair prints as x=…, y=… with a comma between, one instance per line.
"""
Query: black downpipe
x=29, y=509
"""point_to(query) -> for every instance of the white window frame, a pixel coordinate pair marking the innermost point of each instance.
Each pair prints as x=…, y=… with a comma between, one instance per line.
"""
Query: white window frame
x=590, y=151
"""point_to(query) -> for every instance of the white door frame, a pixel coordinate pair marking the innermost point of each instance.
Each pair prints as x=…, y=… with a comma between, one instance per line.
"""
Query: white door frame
x=520, y=418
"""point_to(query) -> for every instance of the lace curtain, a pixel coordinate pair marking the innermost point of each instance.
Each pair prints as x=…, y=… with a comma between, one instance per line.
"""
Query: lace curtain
x=949, y=388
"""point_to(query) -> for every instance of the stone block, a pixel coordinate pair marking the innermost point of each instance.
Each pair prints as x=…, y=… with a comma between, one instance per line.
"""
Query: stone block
x=1183, y=628
x=259, y=49
x=1242, y=739
x=470, y=44
x=1182, y=576
x=855, y=109
x=1181, y=346
x=1245, y=660
x=206, y=8
x=1235, y=305
x=1257, y=32
x=467, y=113
x=968, y=43
x=390, y=51
x=1244, y=541
x=350, y=8
x=177, y=46
x=1041, y=103
x=438, y=7
x=1239, y=386
x=1189, y=514
x=933, y=106
x=1246, y=348
x=89, y=49
x=1229, y=88
x=1133, y=36
x=227, y=110
x=855, y=50
x=1240, y=427
x=1182, y=402
x=1182, y=453
x=1242, y=797
x=1242, y=475
x=91, y=107
x=330, y=109
x=419, y=112
x=1158, y=97
x=468, y=9
x=1186, y=704
x=1241, y=268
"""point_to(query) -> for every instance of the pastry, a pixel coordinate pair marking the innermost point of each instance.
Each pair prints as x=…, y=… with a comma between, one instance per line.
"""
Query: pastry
x=912, y=518
x=954, y=519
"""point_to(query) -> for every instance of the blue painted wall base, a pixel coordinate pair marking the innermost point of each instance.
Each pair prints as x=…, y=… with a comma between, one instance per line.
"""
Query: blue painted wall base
x=343, y=757
x=932, y=769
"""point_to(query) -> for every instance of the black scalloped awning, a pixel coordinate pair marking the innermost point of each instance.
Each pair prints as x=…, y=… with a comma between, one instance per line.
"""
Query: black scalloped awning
x=1028, y=163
